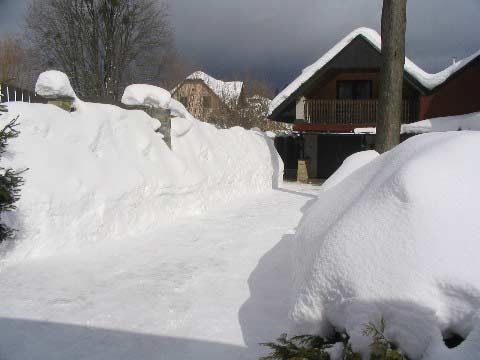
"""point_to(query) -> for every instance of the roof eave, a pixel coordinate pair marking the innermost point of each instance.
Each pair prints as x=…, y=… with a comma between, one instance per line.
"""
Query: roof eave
x=422, y=89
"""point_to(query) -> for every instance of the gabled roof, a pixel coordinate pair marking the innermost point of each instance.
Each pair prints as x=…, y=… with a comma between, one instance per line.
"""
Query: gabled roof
x=228, y=91
x=426, y=80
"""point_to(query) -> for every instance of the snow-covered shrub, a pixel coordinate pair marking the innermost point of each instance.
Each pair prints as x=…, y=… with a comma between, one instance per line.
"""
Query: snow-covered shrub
x=397, y=239
x=336, y=347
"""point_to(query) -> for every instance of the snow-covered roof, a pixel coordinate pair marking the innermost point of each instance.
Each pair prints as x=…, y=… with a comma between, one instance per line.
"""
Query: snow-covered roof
x=429, y=81
x=226, y=90
x=467, y=122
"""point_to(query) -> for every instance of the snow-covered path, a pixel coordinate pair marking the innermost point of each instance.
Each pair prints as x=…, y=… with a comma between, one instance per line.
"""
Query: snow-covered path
x=208, y=287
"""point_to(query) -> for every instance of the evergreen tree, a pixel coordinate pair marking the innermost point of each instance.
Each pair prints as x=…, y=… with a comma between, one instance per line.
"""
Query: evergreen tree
x=10, y=180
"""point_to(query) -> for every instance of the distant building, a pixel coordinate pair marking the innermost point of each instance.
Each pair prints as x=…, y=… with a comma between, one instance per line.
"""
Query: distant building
x=205, y=96
x=338, y=95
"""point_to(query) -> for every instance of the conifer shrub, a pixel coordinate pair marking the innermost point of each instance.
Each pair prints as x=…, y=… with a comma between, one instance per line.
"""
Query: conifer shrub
x=311, y=347
x=10, y=180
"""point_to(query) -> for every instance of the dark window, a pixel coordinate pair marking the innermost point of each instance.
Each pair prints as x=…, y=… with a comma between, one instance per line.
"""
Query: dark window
x=184, y=100
x=207, y=102
x=354, y=89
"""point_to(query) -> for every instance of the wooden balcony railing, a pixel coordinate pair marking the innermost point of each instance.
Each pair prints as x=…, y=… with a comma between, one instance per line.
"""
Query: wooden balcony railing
x=355, y=112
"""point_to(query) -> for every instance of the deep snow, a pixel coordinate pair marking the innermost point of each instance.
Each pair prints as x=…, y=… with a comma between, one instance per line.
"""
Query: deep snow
x=349, y=166
x=102, y=172
x=210, y=287
x=399, y=238
x=128, y=249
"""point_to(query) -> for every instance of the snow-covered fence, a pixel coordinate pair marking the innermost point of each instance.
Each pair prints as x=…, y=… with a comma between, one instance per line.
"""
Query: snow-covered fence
x=10, y=93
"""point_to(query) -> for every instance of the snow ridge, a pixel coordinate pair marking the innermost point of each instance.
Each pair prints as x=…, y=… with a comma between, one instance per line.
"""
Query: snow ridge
x=103, y=173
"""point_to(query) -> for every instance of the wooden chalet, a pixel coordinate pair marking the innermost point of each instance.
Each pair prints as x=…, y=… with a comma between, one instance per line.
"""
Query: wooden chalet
x=204, y=96
x=339, y=94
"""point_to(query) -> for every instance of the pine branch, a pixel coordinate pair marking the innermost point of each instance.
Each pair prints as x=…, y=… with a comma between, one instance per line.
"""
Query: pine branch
x=10, y=180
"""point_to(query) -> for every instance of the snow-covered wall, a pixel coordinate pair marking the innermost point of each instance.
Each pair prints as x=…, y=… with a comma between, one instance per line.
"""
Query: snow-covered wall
x=103, y=172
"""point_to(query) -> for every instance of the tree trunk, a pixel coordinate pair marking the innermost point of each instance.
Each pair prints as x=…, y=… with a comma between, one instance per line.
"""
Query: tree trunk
x=394, y=23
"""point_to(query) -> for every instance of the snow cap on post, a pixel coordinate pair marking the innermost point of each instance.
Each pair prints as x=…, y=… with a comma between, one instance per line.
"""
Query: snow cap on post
x=146, y=95
x=54, y=84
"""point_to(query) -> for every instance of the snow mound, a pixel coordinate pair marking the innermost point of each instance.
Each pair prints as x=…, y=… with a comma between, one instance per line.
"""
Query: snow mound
x=54, y=83
x=350, y=165
x=103, y=173
x=398, y=239
x=146, y=95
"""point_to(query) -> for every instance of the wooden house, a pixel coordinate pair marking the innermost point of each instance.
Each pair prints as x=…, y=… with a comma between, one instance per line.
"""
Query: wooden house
x=339, y=94
x=205, y=96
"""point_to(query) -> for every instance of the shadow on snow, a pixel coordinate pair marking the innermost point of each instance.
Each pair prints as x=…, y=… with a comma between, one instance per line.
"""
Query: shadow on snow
x=264, y=316
x=26, y=339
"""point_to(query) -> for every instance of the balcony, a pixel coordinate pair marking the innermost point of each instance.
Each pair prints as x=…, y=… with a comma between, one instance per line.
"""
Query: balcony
x=353, y=112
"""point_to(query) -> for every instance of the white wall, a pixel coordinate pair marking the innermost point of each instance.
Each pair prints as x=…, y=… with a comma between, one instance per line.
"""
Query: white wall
x=300, y=109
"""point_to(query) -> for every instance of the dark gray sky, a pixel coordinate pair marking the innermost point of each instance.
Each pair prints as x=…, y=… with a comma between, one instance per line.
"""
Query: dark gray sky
x=275, y=39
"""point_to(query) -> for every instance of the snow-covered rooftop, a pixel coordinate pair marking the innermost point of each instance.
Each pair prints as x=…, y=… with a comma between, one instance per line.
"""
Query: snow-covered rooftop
x=226, y=90
x=467, y=122
x=429, y=81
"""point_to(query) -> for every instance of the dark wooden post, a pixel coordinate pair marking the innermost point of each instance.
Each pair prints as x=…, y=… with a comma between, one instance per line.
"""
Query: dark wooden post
x=394, y=23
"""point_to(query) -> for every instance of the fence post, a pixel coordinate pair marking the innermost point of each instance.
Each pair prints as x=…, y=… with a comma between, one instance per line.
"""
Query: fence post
x=65, y=102
x=162, y=115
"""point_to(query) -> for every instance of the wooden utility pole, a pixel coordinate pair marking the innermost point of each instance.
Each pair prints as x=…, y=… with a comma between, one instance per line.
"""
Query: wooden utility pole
x=394, y=24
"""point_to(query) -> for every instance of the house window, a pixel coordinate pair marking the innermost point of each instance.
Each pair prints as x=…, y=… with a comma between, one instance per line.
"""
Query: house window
x=354, y=89
x=184, y=100
x=207, y=102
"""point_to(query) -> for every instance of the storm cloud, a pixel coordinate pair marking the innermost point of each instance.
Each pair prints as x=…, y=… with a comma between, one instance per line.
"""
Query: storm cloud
x=275, y=39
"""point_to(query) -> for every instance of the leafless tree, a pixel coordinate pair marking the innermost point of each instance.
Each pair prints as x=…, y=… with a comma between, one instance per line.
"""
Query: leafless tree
x=250, y=110
x=176, y=69
x=394, y=23
x=101, y=44
x=17, y=66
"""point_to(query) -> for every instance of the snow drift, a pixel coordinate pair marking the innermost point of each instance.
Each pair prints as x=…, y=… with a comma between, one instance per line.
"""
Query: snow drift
x=349, y=165
x=398, y=239
x=103, y=172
